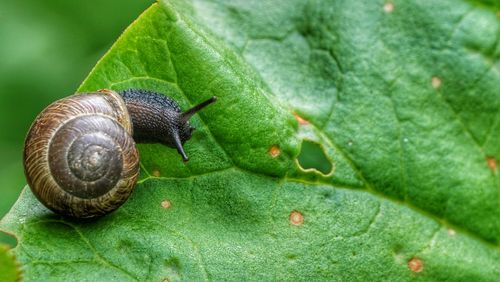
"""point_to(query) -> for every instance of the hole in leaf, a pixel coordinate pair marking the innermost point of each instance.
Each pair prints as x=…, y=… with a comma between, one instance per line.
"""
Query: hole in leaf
x=312, y=156
x=8, y=240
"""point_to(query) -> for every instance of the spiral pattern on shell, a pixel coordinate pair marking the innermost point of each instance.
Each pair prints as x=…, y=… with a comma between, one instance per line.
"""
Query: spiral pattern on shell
x=79, y=156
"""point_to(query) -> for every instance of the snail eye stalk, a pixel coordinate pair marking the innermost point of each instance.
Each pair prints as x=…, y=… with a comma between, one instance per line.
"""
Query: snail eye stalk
x=185, y=116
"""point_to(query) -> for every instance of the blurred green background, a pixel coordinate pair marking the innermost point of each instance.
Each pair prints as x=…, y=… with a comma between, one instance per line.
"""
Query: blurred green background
x=46, y=49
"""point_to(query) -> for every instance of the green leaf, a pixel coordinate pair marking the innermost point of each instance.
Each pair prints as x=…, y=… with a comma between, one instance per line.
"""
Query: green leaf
x=9, y=270
x=402, y=96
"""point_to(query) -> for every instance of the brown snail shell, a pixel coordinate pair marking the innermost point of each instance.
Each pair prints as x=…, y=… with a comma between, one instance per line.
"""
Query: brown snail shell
x=80, y=159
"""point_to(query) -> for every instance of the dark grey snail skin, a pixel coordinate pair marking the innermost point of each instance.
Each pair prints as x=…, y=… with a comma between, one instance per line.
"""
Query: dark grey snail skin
x=158, y=119
x=80, y=158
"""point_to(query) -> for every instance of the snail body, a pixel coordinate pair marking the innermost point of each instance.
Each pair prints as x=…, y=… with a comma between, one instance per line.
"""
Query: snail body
x=80, y=158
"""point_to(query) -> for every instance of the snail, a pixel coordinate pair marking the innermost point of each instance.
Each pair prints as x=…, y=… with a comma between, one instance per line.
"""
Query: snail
x=80, y=158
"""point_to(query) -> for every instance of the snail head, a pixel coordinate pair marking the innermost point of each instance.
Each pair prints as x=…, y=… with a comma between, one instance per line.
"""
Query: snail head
x=180, y=130
x=157, y=118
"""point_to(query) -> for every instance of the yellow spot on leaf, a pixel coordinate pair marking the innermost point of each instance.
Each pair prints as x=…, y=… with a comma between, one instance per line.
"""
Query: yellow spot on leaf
x=296, y=218
x=166, y=204
x=416, y=265
x=274, y=151
x=436, y=82
x=388, y=7
x=300, y=119
x=492, y=163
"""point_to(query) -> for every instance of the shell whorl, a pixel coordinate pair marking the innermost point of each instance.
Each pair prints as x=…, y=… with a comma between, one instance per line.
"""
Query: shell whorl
x=80, y=159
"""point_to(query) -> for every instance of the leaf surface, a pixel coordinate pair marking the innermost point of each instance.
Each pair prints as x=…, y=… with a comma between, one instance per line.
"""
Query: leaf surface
x=9, y=270
x=402, y=96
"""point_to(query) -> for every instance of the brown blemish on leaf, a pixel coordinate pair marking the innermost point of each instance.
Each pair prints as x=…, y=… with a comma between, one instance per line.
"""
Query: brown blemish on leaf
x=492, y=163
x=300, y=119
x=156, y=173
x=166, y=204
x=436, y=82
x=388, y=7
x=296, y=218
x=274, y=151
x=416, y=265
